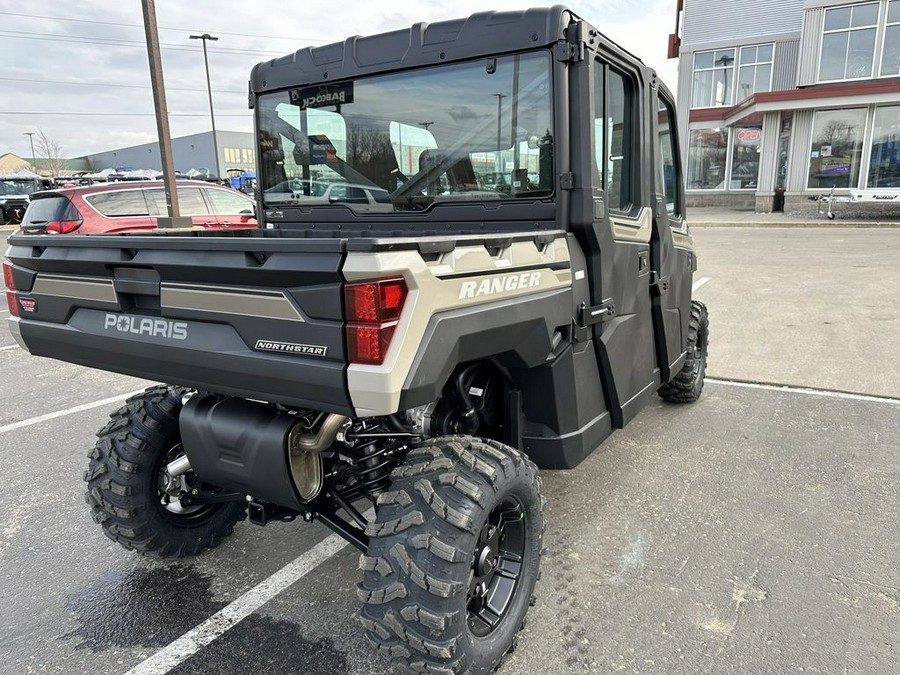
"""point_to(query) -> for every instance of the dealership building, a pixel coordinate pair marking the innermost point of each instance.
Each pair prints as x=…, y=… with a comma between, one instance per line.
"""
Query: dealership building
x=787, y=99
x=189, y=152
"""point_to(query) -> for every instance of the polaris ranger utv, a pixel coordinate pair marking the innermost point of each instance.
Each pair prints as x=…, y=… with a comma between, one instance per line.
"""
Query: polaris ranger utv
x=415, y=336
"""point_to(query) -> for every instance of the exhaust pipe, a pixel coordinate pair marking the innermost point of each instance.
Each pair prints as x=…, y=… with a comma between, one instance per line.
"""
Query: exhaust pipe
x=304, y=456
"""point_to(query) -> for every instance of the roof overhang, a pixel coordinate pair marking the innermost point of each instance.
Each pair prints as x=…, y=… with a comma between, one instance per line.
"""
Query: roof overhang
x=839, y=95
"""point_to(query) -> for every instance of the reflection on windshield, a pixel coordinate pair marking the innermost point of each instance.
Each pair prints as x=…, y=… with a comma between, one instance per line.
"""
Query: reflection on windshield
x=400, y=142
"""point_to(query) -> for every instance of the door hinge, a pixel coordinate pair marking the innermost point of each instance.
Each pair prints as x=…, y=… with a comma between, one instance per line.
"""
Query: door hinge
x=597, y=313
x=567, y=181
x=661, y=284
x=569, y=52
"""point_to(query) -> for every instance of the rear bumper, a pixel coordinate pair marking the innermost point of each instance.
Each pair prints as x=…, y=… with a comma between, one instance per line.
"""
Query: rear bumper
x=215, y=362
x=16, y=331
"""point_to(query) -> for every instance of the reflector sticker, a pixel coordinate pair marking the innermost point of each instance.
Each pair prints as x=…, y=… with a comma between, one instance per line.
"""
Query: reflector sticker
x=290, y=348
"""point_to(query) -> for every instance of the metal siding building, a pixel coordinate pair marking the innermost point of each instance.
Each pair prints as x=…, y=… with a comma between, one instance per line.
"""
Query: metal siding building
x=793, y=96
x=190, y=152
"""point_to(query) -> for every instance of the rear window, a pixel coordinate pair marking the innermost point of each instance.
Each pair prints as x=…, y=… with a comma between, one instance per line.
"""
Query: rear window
x=124, y=204
x=48, y=209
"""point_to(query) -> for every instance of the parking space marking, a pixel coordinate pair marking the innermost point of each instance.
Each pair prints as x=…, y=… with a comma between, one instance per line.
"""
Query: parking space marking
x=172, y=655
x=699, y=283
x=3, y=349
x=68, y=411
x=807, y=391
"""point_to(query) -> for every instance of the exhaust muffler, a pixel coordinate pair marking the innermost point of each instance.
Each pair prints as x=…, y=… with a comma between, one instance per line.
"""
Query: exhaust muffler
x=256, y=448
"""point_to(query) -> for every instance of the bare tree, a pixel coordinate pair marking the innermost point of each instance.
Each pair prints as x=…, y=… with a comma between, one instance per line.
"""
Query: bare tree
x=50, y=150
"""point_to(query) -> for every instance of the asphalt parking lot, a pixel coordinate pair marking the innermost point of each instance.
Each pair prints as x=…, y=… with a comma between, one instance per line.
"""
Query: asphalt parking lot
x=752, y=532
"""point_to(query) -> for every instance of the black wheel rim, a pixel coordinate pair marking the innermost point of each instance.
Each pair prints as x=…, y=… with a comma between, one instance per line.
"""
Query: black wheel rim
x=497, y=566
x=169, y=505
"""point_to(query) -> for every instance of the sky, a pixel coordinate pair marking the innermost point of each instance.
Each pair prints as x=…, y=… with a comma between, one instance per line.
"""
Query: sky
x=54, y=67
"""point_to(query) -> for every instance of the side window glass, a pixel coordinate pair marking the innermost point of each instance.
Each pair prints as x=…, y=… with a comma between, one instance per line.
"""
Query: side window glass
x=123, y=204
x=620, y=129
x=156, y=202
x=190, y=202
x=614, y=101
x=669, y=177
x=229, y=203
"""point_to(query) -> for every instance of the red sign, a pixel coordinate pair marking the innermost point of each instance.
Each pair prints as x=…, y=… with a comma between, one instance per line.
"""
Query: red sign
x=749, y=135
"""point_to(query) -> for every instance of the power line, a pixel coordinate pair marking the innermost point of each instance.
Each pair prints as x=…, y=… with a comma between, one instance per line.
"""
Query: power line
x=135, y=25
x=115, y=42
x=102, y=85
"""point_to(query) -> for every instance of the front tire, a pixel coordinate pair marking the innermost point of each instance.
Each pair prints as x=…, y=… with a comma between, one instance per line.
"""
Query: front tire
x=687, y=385
x=453, y=557
x=126, y=489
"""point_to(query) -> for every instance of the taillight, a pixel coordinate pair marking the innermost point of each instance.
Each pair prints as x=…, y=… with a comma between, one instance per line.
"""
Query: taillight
x=63, y=226
x=10, y=288
x=373, y=309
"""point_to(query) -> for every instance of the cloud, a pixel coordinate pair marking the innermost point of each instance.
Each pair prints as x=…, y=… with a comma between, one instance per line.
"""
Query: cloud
x=90, y=57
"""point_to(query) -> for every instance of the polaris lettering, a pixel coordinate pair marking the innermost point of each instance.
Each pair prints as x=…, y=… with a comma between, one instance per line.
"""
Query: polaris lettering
x=174, y=330
x=497, y=285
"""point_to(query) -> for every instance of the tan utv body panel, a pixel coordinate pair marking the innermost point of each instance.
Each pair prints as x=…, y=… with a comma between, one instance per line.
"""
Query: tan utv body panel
x=467, y=276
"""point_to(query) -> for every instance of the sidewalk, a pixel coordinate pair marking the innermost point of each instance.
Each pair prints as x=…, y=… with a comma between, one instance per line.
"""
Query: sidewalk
x=707, y=216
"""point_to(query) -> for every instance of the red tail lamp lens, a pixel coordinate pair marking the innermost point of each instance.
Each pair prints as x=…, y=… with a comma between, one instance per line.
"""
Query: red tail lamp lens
x=11, y=302
x=63, y=226
x=375, y=301
x=373, y=308
x=8, y=275
x=369, y=344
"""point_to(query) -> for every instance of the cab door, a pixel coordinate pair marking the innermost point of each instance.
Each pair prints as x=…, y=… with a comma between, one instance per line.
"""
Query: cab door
x=672, y=259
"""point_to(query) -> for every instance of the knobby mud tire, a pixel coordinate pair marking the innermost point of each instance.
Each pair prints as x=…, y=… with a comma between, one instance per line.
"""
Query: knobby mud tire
x=123, y=488
x=687, y=385
x=423, y=542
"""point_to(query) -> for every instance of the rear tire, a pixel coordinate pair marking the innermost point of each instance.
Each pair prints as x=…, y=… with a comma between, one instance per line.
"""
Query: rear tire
x=687, y=385
x=124, y=482
x=455, y=546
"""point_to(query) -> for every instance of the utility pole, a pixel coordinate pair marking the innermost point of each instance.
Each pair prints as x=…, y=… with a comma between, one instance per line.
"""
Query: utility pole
x=30, y=135
x=162, y=118
x=425, y=125
x=500, y=98
x=212, y=117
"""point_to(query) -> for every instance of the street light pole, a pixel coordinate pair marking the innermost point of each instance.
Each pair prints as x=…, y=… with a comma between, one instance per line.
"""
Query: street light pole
x=30, y=135
x=212, y=117
x=158, y=86
x=500, y=98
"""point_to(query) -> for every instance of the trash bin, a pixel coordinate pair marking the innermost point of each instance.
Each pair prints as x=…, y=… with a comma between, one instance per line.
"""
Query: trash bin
x=778, y=201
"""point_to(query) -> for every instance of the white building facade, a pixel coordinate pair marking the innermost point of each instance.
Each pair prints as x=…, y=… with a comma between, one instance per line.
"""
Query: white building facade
x=788, y=98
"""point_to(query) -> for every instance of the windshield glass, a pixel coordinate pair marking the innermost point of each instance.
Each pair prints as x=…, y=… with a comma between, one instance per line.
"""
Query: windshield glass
x=478, y=131
x=17, y=187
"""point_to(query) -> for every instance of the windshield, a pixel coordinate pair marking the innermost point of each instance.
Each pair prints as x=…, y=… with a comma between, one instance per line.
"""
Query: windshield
x=17, y=187
x=478, y=131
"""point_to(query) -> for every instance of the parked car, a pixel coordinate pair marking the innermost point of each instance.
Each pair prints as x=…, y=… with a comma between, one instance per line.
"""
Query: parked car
x=133, y=206
x=361, y=198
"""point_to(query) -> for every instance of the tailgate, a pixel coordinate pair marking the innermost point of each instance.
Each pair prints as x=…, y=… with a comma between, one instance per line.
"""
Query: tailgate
x=254, y=317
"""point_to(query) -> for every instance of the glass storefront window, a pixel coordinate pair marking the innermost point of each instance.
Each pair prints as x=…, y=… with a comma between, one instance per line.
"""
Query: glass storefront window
x=890, y=57
x=836, y=148
x=707, y=156
x=848, y=42
x=713, y=78
x=745, y=156
x=884, y=164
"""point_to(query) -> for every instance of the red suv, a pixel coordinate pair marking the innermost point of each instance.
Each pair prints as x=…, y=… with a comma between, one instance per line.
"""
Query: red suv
x=132, y=206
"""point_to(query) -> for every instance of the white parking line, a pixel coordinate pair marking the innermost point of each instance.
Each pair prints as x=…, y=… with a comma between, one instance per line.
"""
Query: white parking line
x=807, y=391
x=7, y=347
x=170, y=656
x=68, y=411
x=699, y=283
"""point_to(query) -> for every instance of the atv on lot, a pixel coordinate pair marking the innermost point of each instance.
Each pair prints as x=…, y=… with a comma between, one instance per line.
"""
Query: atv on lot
x=425, y=358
